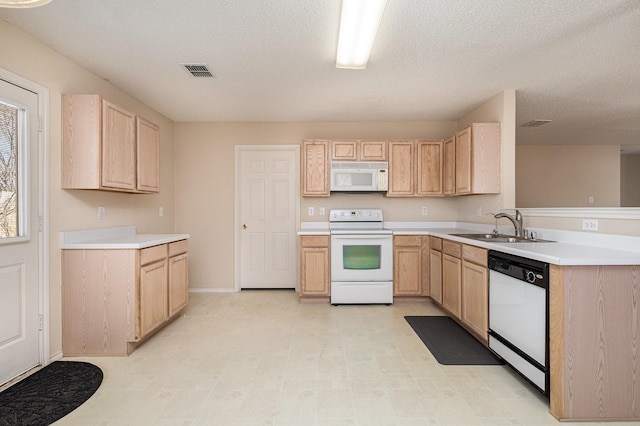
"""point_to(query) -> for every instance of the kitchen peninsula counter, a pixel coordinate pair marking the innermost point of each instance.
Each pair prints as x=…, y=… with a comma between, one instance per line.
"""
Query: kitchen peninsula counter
x=555, y=251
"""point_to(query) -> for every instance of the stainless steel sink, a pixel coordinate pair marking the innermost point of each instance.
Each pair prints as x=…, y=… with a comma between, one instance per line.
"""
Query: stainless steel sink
x=501, y=238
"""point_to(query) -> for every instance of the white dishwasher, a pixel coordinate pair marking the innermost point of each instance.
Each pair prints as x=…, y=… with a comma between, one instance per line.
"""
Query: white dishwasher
x=519, y=315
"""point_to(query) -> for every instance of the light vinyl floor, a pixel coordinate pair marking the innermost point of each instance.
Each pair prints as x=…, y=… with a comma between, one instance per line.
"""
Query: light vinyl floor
x=262, y=358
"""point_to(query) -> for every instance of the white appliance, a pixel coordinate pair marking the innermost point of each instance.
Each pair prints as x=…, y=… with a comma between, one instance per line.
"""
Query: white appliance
x=357, y=176
x=361, y=257
x=519, y=315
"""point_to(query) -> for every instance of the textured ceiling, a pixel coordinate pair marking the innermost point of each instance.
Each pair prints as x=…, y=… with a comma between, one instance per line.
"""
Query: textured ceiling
x=575, y=62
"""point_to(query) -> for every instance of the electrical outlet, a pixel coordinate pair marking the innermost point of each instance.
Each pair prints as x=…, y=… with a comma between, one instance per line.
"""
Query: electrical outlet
x=425, y=211
x=311, y=211
x=479, y=211
x=589, y=224
x=161, y=211
x=101, y=213
x=591, y=199
x=321, y=211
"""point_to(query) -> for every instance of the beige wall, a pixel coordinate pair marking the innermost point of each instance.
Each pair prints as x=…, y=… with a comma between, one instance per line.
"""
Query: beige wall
x=74, y=209
x=501, y=108
x=205, y=159
x=567, y=175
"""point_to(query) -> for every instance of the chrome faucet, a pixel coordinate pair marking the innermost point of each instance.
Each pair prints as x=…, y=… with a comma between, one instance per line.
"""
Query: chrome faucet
x=517, y=221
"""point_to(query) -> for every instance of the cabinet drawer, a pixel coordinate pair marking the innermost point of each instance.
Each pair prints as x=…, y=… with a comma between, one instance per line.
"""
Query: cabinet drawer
x=153, y=254
x=435, y=243
x=407, y=240
x=451, y=248
x=178, y=247
x=314, y=241
x=474, y=254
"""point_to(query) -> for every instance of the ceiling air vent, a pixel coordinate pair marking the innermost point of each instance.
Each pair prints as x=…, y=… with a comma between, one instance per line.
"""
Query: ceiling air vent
x=198, y=70
x=535, y=123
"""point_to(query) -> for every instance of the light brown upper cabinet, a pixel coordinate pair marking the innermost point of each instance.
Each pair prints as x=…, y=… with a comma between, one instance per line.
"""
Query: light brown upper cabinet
x=358, y=150
x=477, y=159
x=415, y=168
x=106, y=147
x=429, y=168
x=401, y=168
x=314, y=165
x=147, y=155
x=449, y=166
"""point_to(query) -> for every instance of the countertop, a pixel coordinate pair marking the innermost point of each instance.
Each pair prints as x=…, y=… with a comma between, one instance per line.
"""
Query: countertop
x=558, y=252
x=114, y=238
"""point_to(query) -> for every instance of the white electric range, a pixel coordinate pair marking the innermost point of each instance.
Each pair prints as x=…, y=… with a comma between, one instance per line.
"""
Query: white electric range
x=361, y=257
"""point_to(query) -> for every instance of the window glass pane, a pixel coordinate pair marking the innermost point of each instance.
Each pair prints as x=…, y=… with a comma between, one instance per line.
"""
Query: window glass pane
x=361, y=257
x=8, y=171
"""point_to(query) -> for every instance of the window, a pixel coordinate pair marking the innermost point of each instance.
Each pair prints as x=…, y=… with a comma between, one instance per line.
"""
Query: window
x=10, y=118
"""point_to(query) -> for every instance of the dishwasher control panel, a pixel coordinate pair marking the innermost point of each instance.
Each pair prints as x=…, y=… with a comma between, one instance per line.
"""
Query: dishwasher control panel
x=523, y=269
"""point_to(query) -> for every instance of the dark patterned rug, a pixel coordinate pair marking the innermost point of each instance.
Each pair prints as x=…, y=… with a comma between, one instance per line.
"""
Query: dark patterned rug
x=449, y=343
x=49, y=394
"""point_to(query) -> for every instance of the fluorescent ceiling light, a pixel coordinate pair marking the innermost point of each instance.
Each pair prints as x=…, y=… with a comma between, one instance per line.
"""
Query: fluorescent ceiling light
x=359, y=24
x=23, y=3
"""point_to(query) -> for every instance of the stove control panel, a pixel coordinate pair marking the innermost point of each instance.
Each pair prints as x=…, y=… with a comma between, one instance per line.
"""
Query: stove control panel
x=355, y=215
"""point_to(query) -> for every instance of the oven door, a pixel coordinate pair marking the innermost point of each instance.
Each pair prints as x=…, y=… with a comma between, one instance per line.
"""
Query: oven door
x=362, y=257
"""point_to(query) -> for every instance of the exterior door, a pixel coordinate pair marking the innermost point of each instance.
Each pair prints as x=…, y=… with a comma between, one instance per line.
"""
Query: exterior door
x=267, y=210
x=19, y=235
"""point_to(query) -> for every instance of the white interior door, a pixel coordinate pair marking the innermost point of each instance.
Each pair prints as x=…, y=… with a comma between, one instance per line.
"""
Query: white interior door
x=267, y=209
x=19, y=239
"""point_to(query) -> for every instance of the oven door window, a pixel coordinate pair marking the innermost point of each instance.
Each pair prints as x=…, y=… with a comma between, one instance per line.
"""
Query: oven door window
x=361, y=257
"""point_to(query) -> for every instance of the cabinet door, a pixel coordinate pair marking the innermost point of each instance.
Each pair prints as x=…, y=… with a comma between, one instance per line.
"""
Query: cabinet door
x=314, y=266
x=118, y=147
x=81, y=137
x=407, y=271
x=178, y=283
x=429, y=168
x=344, y=150
x=425, y=269
x=401, y=168
x=435, y=275
x=475, y=303
x=315, y=168
x=451, y=284
x=373, y=151
x=153, y=297
x=449, y=166
x=148, y=156
x=464, y=162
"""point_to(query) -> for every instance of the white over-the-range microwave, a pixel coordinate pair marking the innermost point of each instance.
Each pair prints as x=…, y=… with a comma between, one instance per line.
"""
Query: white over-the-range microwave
x=359, y=176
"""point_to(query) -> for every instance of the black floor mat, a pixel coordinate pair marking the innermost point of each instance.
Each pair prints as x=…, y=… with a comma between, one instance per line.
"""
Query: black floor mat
x=449, y=343
x=49, y=394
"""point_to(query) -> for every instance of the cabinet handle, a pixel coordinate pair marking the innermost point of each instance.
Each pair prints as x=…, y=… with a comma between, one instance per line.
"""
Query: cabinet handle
x=244, y=226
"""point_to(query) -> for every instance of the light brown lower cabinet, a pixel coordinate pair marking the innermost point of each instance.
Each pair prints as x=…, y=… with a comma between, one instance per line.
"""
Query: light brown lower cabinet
x=460, y=283
x=475, y=291
x=452, y=277
x=112, y=299
x=435, y=269
x=410, y=265
x=314, y=266
x=594, y=336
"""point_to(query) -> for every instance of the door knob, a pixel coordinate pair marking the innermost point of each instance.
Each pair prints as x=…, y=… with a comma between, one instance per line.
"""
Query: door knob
x=244, y=226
